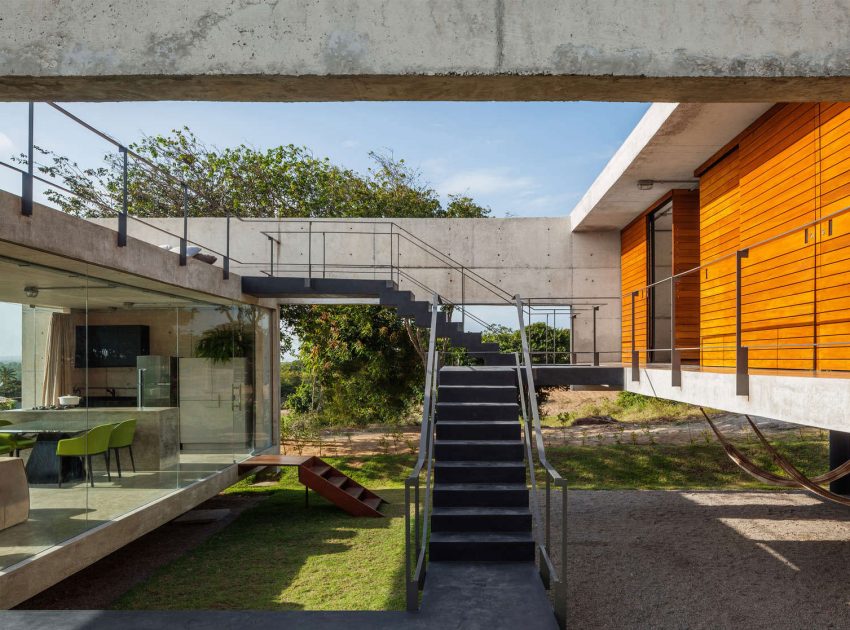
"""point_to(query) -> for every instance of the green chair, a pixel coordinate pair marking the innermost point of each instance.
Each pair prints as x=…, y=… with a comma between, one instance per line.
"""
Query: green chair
x=122, y=437
x=5, y=448
x=94, y=442
x=17, y=442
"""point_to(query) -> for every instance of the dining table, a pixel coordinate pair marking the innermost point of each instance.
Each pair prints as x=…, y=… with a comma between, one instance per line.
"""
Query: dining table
x=44, y=466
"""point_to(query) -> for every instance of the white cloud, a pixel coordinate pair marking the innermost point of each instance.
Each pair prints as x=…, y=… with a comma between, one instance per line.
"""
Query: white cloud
x=6, y=144
x=478, y=182
x=350, y=144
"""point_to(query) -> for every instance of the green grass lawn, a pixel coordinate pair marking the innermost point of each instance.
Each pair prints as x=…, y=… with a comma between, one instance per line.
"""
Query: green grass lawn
x=280, y=555
x=677, y=466
x=283, y=556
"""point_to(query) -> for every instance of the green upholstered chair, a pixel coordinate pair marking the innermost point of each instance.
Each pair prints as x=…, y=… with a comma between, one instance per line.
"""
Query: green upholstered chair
x=94, y=442
x=122, y=437
x=5, y=449
x=16, y=441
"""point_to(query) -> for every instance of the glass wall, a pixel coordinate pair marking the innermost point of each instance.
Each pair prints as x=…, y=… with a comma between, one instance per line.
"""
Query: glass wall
x=113, y=396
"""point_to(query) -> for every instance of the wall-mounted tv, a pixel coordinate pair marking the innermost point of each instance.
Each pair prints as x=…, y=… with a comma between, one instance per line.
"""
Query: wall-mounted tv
x=111, y=346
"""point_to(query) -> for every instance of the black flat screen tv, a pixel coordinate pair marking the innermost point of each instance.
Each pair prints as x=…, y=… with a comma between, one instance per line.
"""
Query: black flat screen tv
x=111, y=346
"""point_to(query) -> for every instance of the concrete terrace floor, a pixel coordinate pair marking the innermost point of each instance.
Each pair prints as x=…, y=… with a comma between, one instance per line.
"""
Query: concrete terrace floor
x=58, y=514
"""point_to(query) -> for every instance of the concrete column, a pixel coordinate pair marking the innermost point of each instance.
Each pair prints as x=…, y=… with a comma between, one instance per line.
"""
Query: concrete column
x=839, y=452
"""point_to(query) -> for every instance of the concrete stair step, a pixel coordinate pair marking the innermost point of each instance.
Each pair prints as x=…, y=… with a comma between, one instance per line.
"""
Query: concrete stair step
x=478, y=450
x=477, y=411
x=481, y=519
x=479, y=472
x=480, y=495
x=481, y=546
x=478, y=375
x=478, y=430
x=478, y=393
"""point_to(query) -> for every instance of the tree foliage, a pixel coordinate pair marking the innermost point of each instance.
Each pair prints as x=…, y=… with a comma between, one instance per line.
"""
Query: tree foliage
x=359, y=363
x=543, y=340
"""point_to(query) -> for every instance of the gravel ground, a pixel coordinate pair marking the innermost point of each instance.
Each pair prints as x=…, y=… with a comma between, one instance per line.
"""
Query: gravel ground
x=662, y=559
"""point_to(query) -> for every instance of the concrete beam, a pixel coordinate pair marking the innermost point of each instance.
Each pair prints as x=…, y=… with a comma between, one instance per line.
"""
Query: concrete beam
x=306, y=50
x=536, y=257
x=820, y=401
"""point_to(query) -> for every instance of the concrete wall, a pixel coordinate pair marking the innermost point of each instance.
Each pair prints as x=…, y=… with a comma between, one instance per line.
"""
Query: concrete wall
x=534, y=257
x=661, y=50
x=812, y=401
x=60, y=240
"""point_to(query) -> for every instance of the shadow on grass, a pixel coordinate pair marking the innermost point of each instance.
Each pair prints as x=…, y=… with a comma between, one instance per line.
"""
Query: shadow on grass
x=282, y=555
x=679, y=466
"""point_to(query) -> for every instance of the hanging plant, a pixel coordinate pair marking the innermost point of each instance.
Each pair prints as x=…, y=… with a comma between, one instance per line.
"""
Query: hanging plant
x=225, y=342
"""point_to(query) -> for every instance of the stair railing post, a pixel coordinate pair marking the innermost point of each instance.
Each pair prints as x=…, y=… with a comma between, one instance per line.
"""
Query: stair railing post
x=462, y=299
x=561, y=586
x=742, y=379
x=572, y=329
x=411, y=591
x=185, y=239
x=29, y=177
x=595, y=353
x=122, y=215
x=675, y=357
x=226, y=262
x=635, y=358
x=271, y=256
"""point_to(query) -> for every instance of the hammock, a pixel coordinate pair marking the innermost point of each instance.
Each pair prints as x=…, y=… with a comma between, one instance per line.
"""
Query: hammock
x=798, y=480
x=789, y=468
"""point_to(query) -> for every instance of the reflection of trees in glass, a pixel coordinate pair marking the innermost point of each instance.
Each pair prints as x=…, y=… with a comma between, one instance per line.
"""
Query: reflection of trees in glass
x=234, y=338
x=10, y=382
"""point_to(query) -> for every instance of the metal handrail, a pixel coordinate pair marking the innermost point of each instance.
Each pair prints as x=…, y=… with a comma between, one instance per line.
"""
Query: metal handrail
x=415, y=555
x=736, y=278
x=395, y=230
x=556, y=580
x=766, y=241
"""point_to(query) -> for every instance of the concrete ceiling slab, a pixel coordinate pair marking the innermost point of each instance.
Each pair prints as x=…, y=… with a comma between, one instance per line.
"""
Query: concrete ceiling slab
x=669, y=142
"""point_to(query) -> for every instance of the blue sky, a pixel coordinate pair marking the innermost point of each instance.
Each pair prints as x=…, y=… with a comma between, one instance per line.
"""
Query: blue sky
x=520, y=159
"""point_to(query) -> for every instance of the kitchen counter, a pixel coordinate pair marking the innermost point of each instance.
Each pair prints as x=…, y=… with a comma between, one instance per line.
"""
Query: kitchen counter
x=155, y=446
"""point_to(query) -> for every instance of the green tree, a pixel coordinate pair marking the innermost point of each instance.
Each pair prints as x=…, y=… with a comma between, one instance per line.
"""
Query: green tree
x=542, y=338
x=10, y=382
x=360, y=364
x=290, y=379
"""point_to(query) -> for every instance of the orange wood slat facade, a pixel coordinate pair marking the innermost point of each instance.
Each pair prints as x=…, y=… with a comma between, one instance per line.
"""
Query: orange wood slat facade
x=789, y=168
x=685, y=257
x=634, y=268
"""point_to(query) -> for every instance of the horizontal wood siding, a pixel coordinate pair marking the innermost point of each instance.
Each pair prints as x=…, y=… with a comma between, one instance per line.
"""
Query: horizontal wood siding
x=633, y=270
x=832, y=311
x=718, y=233
x=791, y=168
x=686, y=256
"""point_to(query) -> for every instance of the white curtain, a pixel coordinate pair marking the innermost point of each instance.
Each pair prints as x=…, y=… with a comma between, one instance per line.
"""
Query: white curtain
x=58, y=359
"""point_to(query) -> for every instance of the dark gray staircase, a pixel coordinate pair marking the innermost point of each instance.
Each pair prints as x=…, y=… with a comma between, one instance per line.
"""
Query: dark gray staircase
x=387, y=294
x=481, y=510
x=420, y=311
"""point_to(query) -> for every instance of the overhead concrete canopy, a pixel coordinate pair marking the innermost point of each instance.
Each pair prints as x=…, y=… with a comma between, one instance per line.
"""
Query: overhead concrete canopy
x=669, y=142
x=658, y=50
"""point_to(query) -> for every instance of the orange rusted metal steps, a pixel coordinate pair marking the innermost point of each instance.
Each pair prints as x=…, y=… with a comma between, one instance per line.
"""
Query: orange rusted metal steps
x=319, y=476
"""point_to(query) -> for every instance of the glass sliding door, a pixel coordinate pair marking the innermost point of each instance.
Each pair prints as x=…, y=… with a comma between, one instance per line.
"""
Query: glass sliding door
x=660, y=266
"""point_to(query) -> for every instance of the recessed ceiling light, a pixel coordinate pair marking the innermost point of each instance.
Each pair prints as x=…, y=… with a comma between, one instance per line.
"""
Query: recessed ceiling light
x=31, y=291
